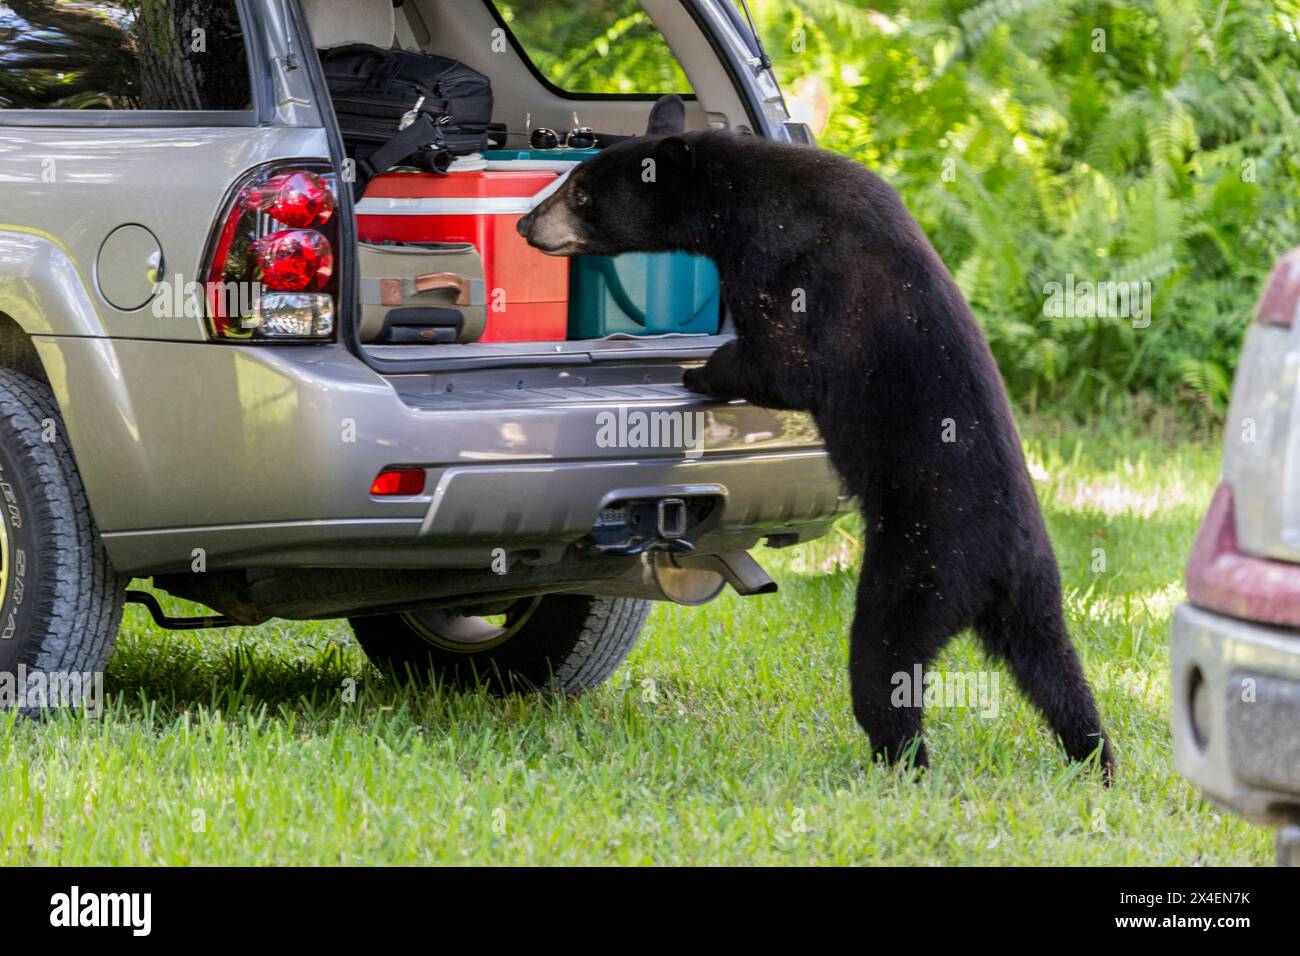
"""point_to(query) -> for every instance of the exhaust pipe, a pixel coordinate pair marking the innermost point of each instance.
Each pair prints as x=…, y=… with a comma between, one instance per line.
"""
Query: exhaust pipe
x=737, y=568
x=744, y=574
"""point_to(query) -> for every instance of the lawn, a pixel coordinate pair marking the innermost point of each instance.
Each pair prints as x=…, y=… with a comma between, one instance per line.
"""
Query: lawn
x=726, y=738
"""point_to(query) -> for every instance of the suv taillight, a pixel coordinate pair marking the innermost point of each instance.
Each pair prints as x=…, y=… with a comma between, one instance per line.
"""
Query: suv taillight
x=270, y=273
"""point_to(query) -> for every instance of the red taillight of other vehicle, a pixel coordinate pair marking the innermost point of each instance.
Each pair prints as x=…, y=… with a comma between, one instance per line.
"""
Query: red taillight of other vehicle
x=1221, y=578
x=398, y=481
x=270, y=273
x=1281, y=299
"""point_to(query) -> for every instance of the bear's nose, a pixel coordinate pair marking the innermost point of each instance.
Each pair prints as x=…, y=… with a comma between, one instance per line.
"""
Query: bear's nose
x=525, y=225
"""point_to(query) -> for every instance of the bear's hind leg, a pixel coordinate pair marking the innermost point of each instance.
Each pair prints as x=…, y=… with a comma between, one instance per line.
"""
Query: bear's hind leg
x=1026, y=628
x=895, y=635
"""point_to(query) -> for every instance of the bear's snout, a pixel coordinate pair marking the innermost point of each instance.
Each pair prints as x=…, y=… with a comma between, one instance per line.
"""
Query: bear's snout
x=551, y=228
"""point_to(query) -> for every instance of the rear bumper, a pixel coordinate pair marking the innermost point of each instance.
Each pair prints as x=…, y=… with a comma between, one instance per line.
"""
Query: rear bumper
x=1236, y=713
x=264, y=458
x=477, y=512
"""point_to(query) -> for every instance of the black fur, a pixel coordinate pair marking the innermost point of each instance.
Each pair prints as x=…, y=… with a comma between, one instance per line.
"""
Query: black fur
x=884, y=355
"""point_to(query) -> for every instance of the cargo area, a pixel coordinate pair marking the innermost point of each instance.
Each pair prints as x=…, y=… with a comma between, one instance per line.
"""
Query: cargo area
x=444, y=274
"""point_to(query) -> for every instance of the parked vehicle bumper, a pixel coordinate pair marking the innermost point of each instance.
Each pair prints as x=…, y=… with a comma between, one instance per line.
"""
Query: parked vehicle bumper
x=263, y=457
x=1236, y=706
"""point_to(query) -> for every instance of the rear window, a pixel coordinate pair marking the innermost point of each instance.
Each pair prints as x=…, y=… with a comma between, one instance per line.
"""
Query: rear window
x=124, y=55
x=595, y=47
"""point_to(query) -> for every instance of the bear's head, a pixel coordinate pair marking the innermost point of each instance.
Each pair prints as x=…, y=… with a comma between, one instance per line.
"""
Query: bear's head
x=629, y=198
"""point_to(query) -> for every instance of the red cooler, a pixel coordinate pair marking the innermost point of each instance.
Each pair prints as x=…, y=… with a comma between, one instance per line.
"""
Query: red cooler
x=527, y=291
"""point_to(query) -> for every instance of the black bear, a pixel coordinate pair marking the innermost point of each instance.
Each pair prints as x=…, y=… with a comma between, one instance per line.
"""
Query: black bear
x=842, y=308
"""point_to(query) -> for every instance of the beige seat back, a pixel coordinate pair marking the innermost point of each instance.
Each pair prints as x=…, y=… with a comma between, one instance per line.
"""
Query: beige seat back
x=340, y=22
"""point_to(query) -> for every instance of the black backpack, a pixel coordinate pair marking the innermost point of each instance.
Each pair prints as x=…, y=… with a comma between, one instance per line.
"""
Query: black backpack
x=400, y=108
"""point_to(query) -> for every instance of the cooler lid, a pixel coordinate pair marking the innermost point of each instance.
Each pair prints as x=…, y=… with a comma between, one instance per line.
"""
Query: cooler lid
x=460, y=185
x=411, y=198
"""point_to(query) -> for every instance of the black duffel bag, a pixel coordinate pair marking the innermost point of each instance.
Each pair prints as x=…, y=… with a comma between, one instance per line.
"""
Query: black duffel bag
x=399, y=108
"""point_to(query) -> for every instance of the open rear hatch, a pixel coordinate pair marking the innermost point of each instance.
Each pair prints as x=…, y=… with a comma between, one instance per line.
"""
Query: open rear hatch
x=447, y=285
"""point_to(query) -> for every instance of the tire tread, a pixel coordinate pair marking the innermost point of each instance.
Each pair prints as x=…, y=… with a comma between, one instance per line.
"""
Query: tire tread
x=78, y=596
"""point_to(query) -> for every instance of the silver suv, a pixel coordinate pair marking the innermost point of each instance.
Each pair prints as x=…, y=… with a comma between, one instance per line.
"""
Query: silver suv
x=498, y=510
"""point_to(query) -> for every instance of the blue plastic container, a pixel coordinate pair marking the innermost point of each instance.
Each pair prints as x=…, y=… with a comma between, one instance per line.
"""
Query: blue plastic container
x=640, y=294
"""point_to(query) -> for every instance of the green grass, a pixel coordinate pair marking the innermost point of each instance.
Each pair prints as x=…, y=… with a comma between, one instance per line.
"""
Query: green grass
x=726, y=738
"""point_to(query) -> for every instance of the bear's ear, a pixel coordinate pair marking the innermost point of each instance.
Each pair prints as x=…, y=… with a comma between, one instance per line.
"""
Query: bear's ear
x=674, y=160
x=668, y=115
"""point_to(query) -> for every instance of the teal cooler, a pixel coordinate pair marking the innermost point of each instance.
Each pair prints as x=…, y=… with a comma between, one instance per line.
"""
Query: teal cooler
x=539, y=155
x=642, y=294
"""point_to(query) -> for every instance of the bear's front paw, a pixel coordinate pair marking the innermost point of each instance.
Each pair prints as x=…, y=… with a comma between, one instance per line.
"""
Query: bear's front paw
x=695, y=380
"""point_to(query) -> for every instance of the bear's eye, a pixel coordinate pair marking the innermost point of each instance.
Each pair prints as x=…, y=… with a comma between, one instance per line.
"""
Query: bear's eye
x=581, y=198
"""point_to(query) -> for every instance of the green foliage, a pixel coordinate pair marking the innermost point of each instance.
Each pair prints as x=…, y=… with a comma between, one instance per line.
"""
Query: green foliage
x=1153, y=141
x=598, y=46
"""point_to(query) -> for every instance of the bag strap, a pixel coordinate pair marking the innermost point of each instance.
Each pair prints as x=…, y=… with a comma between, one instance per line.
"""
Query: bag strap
x=411, y=140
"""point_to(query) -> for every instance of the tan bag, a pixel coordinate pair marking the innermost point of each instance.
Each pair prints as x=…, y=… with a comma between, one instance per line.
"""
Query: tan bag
x=421, y=275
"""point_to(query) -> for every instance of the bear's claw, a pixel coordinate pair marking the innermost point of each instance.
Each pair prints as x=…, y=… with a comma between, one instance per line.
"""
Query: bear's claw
x=693, y=380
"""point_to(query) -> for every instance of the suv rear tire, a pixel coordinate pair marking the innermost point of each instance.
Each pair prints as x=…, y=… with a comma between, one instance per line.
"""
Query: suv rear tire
x=557, y=643
x=60, y=599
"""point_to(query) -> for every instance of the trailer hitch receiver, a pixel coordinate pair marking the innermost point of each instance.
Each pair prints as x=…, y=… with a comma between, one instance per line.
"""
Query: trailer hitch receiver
x=643, y=525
